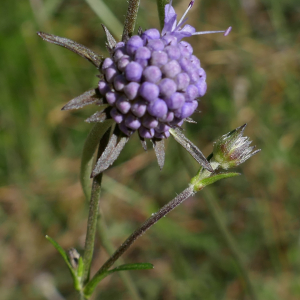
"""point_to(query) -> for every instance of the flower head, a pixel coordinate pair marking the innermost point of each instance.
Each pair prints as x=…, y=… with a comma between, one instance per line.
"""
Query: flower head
x=151, y=83
x=232, y=149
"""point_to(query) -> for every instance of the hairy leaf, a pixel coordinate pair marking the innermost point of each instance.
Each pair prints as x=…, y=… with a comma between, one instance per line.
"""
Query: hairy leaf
x=79, y=49
x=87, y=98
x=191, y=148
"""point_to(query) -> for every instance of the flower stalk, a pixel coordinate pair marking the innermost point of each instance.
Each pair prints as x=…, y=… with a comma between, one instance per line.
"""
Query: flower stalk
x=93, y=215
x=130, y=20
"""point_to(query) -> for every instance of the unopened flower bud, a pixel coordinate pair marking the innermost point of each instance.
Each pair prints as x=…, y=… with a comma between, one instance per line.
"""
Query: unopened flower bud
x=232, y=149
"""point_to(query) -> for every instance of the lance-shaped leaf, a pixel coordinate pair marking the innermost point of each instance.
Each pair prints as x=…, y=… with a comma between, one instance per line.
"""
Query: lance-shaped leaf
x=87, y=98
x=99, y=117
x=159, y=148
x=79, y=49
x=64, y=255
x=198, y=185
x=111, y=153
x=191, y=148
x=90, y=287
x=111, y=42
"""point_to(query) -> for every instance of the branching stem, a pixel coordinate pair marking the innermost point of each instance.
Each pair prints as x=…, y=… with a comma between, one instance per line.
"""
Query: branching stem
x=147, y=224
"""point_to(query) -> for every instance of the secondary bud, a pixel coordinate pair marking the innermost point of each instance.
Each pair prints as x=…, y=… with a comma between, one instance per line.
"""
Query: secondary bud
x=232, y=149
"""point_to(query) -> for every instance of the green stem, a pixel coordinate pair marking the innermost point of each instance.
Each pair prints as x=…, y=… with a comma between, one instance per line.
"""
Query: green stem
x=135, y=235
x=130, y=19
x=216, y=212
x=93, y=215
x=161, y=11
x=109, y=248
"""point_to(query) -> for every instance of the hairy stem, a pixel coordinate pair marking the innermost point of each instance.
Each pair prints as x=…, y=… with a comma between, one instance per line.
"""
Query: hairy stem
x=147, y=224
x=130, y=20
x=93, y=215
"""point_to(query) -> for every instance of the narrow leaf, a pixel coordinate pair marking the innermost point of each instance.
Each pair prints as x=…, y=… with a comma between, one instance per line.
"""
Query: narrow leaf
x=159, y=148
x=110, y=154
x=191, y=148
x=90, y=287
x=88, y=97
x=99, y=117
x=212, y=179
x=137, y=266
x=111, y=42
x=60, y=250
x=79, y=49
x=65, y=258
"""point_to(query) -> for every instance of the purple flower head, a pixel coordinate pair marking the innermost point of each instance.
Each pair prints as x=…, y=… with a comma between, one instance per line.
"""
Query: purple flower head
x=157, y=78
x=151, y=83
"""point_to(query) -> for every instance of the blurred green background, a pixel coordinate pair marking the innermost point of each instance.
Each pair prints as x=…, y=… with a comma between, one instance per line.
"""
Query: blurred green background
x=253, y=77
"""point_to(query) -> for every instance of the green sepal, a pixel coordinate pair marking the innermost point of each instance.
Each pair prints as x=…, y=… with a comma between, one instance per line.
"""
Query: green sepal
x=66, y=259
x=90, y=287
x=198, y=185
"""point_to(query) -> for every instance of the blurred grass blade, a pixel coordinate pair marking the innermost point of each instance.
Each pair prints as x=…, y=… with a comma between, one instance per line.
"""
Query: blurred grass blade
x=79, y=49
x=161, y=11
x=89, y=148
x=106, y=15
x=51, y=6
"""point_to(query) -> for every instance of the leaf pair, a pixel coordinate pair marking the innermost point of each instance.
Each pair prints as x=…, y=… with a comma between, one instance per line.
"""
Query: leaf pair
x=75, y=266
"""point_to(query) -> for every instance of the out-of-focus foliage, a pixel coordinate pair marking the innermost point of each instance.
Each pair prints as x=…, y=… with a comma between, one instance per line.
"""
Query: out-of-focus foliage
x=253, y=77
